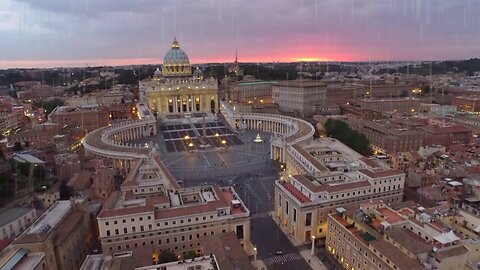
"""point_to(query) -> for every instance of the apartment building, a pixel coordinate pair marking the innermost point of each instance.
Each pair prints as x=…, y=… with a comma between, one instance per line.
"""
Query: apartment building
x=324, y=175
x=377, y=237
x=13, y=221
x=152, y=210
x=62, y=233
x=299, y=96
x=87, y=118
x=393, y=105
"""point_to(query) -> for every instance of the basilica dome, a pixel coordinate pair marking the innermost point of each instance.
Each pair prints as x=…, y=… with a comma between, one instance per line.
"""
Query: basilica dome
x=176, y=63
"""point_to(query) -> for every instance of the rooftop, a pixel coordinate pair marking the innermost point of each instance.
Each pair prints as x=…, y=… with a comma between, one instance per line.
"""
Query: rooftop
x=50, y=218
x=228, y=251
x=11, y=214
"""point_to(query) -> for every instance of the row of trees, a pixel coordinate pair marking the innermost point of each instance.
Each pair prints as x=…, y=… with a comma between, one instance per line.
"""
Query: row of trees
x=168, y=256
x=340, y=130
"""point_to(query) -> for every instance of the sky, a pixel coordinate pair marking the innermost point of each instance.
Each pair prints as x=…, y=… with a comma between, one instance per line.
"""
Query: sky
x=46, y=33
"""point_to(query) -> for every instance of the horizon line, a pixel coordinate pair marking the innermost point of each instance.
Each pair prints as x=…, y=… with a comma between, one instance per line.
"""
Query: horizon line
x=148, y=62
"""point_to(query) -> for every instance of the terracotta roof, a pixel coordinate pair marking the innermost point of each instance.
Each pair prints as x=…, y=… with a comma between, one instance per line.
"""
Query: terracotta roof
x=408, y=240
x=450, y=252
x=396, y=256
x=302, y=179
x=231, y=258
x=379, y=174
x=81, y=181
x=389, y=215
x=295, y=192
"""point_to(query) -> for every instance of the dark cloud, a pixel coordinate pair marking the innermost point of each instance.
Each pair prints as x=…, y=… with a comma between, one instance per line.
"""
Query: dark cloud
x=212, y=29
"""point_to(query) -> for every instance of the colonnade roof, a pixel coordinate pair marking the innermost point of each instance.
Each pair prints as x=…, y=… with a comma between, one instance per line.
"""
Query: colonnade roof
x=94, y=139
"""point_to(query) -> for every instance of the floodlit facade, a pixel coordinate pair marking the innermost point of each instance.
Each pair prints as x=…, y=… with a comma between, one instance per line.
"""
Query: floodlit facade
x=377, y=237
x=323, y=175
x=175, y=90
x=152, y=210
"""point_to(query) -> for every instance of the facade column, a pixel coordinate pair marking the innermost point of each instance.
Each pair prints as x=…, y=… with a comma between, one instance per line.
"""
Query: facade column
x=165, y=100
x=174, y=104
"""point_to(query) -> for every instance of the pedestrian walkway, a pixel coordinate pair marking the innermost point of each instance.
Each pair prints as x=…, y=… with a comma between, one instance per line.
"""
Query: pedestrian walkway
x=282, y=258
x=305, y=252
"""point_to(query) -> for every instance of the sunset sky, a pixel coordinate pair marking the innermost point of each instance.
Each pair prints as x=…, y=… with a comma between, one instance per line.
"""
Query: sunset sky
x=46, y=33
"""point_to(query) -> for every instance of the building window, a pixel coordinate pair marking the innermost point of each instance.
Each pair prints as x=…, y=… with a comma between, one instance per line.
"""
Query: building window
x=308, y=219
x=239, y=231
x=294, y=215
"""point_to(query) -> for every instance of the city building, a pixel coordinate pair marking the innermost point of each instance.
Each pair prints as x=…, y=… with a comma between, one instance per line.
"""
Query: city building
x=389, y=137
x=10, y=121
x=85, y=118
x=446, y=134
x=227, y=250
x=323, y=175
x=141, y=259
x=38, y=135
x=21, y=259
x=392, y=105
x=250, y=92
x=377, y=237
x=342, y=94
x=174, y=90
x=152, y=210
x=470, y=103
x=13, y=221
x=62, y=233
x=299, y=96
x=66, y=165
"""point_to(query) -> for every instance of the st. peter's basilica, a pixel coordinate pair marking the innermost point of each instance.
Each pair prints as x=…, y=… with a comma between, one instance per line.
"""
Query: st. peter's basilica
x=175, y=90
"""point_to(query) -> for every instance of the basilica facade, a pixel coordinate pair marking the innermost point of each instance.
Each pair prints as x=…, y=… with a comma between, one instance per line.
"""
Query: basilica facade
x=174, y=89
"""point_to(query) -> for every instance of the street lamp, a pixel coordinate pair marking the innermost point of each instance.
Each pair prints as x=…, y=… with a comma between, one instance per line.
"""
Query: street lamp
x=312, y=252
x=255, y=255
x=224, y=142
x=187, y=137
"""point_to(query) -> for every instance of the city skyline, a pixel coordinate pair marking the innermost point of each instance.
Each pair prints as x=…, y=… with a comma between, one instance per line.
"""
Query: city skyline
x=84, y=33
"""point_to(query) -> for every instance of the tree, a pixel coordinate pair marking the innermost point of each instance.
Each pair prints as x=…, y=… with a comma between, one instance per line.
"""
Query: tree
x=190, y=255
x=23, y=168
x=167, y=256
x=50, y=105
x=341, y=131
x=17, y=147
x=39, y=172
x=65, y=191
x=7, y=184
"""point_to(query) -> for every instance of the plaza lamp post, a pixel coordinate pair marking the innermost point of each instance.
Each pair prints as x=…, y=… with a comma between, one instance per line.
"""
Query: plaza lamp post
x=255, y=255
x=312, y=252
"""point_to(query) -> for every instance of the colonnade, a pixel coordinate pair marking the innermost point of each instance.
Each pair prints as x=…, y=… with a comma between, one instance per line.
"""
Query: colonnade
x=188, y=103
x=267, y=125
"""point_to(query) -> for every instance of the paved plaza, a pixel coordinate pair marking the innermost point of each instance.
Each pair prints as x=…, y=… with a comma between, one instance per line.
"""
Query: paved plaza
x=247, y=167
x=186, y=137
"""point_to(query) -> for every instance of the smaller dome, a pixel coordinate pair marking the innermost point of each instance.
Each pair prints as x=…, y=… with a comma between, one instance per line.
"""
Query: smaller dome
x=198, y=74
x=157, y=75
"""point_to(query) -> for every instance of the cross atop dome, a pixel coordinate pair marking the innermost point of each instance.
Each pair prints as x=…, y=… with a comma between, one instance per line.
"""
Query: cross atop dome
x=175, y=43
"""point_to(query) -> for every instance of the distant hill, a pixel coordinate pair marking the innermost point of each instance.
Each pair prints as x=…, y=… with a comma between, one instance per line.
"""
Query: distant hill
x=426, y=68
